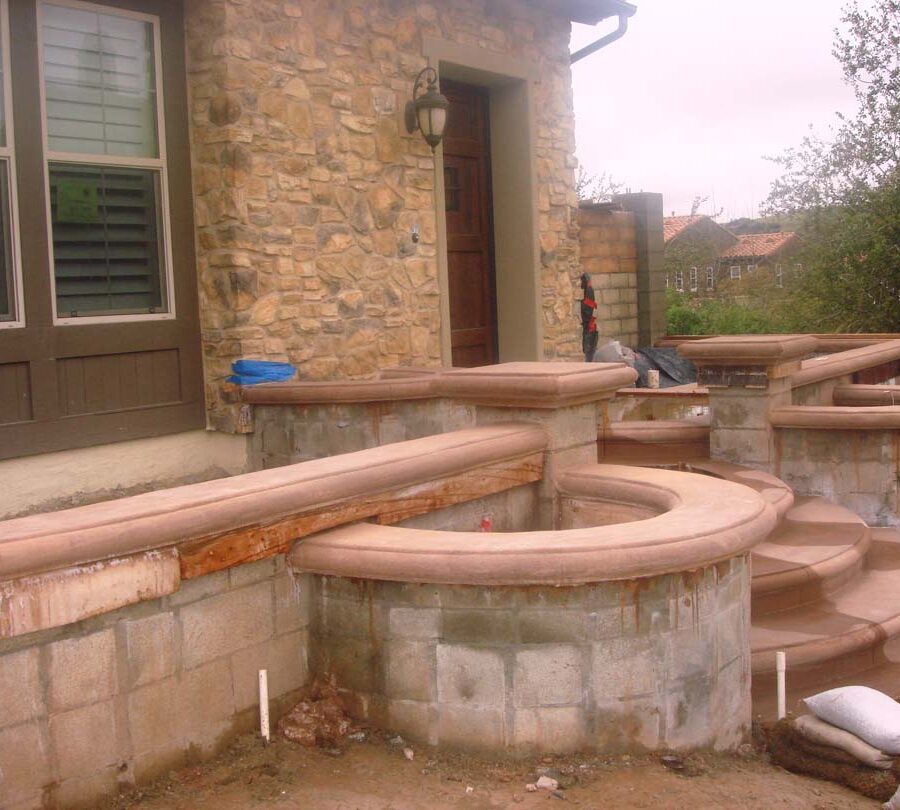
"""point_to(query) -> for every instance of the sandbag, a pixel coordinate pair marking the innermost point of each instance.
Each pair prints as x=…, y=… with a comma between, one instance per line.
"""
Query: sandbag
x=782, y=741
x=893, y=803
x=818, y=731
x=869, y=714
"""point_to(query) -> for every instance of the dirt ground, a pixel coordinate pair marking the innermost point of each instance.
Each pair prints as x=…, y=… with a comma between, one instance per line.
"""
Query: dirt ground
x=374, y=774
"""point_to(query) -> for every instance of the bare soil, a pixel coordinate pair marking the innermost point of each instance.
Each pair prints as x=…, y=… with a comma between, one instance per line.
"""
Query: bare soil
x=374, y=774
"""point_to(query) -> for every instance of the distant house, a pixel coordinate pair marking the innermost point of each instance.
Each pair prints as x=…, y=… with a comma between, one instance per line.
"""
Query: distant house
x=706, y=259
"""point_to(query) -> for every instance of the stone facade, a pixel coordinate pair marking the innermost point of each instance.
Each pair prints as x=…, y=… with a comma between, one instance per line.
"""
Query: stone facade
x=617, y=666
x=118, y=699
x=307, y=186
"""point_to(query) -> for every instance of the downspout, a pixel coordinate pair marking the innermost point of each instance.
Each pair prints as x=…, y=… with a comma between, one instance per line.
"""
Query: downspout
x=603, y=41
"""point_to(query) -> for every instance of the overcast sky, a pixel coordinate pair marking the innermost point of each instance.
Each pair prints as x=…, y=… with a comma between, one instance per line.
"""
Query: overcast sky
x=698, y=91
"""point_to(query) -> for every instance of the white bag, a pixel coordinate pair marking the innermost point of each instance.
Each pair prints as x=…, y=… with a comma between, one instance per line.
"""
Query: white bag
x=869, y=714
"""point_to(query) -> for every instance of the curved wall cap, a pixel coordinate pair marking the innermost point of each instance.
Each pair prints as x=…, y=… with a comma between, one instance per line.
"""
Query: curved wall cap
x=705, y=520
x=824, y=417
x=536, y=385
x=345, y=391
x=167, y=517
x=843, y=363
x=856, y=395
x=760, y=350
x=656, y=430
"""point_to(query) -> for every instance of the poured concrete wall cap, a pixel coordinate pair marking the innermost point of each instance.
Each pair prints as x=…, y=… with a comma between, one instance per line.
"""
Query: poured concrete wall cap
x=536, y=385
x=832, y=417
x=755, y=350
x=699, y=521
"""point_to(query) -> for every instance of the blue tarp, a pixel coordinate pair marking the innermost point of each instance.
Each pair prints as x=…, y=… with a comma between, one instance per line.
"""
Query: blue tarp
x=251, y=372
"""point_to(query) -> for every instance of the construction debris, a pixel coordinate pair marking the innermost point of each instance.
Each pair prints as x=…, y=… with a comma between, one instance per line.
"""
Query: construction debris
x=319, y=720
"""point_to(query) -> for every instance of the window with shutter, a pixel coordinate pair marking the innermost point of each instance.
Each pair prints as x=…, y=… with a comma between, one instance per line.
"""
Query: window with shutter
x=105, y=163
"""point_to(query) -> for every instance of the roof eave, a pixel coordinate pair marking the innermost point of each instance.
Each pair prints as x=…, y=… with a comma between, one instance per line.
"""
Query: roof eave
x=590, y=12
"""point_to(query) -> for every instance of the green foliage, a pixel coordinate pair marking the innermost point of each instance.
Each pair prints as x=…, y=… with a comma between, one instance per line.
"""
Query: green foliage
x=846, y=189
x=713, y=316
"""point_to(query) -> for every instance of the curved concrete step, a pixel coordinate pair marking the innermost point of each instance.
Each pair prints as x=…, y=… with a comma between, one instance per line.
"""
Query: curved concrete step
x=839, y=636
x=661, y=440
x=818, y=548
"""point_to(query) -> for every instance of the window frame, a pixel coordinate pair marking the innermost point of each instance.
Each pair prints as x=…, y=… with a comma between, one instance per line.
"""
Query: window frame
x=694, y=279
x=751, y=269
x=732, y=269
x=710, y=279
x=679, y=280
x=779, y=276
x=158, y=164
x=8, y=153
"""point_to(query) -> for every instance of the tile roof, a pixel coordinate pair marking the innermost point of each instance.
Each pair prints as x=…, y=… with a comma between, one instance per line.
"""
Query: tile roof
x=673, y=226
x=757, y=245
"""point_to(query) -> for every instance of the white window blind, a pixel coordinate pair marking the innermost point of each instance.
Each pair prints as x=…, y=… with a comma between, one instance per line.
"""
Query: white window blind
x=106, y=167
x=99, y=83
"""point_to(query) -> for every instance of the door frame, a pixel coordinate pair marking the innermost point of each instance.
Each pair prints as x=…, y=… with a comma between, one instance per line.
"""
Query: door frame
x=517, y=266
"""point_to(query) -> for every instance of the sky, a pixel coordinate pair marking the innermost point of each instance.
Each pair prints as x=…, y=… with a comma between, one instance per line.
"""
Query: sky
x=696, y=94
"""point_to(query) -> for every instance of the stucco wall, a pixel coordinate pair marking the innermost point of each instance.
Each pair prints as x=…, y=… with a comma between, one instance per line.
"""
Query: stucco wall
x=307, y=185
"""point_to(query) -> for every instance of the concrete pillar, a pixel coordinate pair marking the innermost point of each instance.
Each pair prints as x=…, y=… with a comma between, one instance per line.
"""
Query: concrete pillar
x=747, y=376
x=651, y=274
x=565, y=398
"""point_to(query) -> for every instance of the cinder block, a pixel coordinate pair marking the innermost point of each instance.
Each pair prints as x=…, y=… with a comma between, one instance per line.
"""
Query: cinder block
x=150, y=646
x=627, y=667
x=284, y=657
x=472, y=728
x=555, y=730
x=550, y=675
x=478, y=626
x=192, y=590
x=627, y=725
x=293, y=601
x=548, y=626
x=409, y=673
x=732, y=636
x=690, y=653
x=82, y=670
x=340, y=617
x=226, y=623
x=89, y=791
x=687, y=714
x=84, y=739
x=248, y=573
x=356, y=663
x=24, y=762
x=205, y=703
x=469, y=676
x=20, y=696
x=153, y=717
x=412, y=719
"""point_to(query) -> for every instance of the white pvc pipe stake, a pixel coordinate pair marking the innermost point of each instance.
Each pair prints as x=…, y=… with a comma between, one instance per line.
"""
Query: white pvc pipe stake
x=780, y=667
x=264, y=704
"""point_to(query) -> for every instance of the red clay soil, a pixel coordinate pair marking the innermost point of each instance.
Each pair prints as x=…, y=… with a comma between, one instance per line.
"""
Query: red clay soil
x=375, y=775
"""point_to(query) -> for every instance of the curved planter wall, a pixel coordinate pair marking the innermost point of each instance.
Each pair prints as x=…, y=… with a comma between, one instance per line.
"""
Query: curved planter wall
x=625, y=636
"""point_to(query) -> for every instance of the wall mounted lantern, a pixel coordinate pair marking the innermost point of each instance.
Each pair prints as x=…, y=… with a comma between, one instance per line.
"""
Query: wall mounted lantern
x=427, y=112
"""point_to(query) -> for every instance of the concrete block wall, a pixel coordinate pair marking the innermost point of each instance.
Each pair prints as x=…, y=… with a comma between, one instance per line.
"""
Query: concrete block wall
x=855, y=468
x=619, y=666
x=291, y=434
x=115, y=700
x=608, y=240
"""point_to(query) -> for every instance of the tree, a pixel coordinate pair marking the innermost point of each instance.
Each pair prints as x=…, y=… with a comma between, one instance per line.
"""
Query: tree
x=595, y=188
x=846, y=188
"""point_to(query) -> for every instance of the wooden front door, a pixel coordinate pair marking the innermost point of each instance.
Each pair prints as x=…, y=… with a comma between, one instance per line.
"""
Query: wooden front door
x=470, y=245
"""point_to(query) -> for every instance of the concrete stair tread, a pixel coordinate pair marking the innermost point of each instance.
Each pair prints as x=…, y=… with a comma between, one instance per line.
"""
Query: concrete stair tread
x=864, y=612
x=816, y=540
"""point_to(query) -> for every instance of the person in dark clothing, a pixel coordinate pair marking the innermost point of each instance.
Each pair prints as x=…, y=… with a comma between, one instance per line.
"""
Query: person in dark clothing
x=589, y=334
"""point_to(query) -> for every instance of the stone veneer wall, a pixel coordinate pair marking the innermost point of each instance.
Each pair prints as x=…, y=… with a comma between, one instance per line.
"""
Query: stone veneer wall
x=650, y=663
x=306, y=184
x=117, y=699
x=608, y=242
